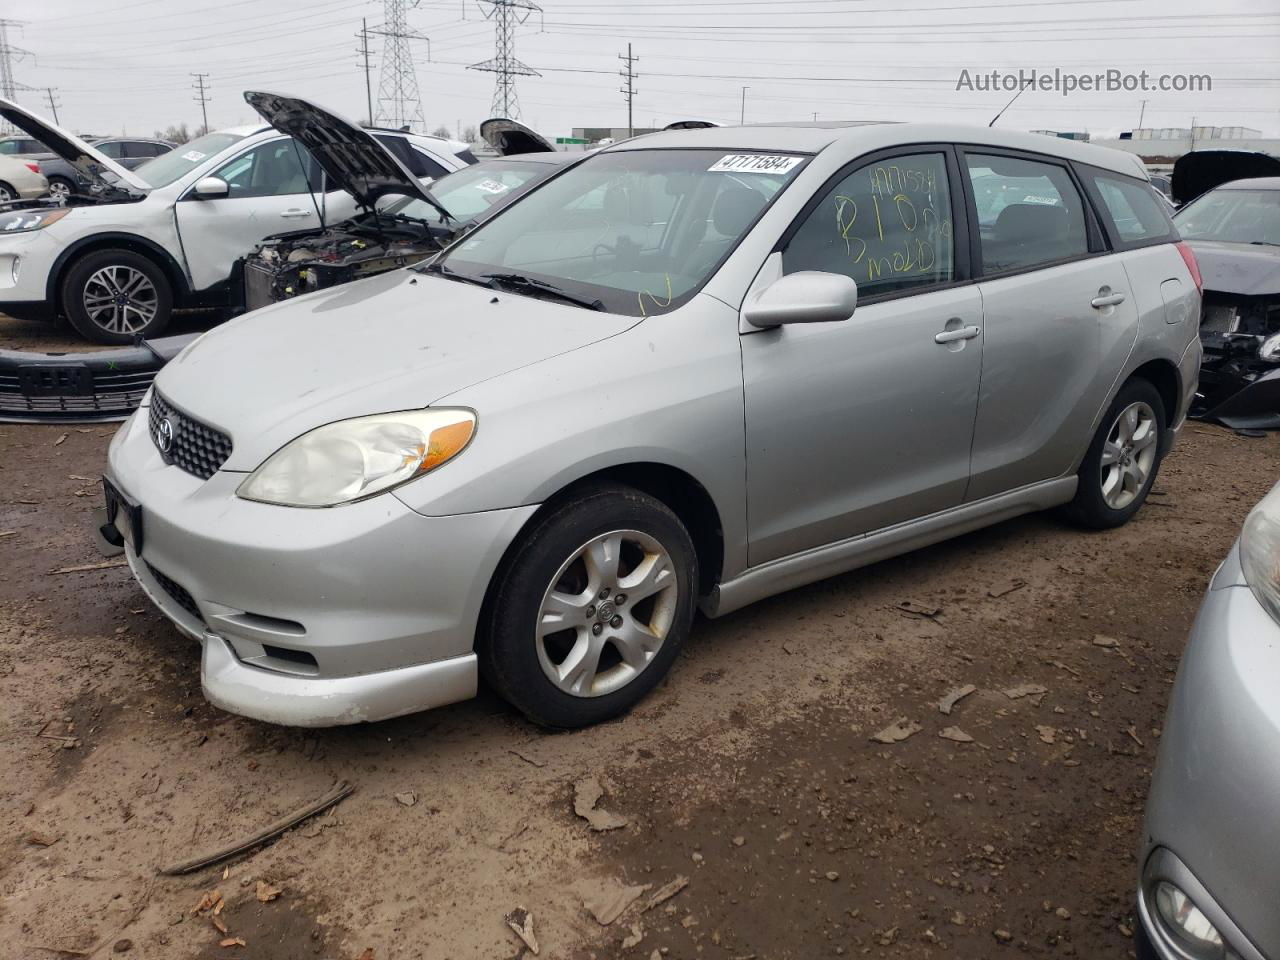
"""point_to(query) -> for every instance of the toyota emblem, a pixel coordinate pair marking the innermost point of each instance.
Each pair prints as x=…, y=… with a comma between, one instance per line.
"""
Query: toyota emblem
x=164, y=435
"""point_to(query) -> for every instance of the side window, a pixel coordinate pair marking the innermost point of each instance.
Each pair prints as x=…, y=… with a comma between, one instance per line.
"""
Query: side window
x=1133, y=208
x=1029, y=213
x=425, y=166
x=9, y=147
x=887, y=225
x=113, y=149
x=268, y=170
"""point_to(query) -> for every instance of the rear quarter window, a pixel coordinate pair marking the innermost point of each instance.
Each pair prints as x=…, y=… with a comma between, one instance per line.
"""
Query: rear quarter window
x=1131, y=212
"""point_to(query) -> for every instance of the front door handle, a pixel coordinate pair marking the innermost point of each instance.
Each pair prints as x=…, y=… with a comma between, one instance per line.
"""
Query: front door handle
x=962, y=333
x=1106, y=298
x=295, y=213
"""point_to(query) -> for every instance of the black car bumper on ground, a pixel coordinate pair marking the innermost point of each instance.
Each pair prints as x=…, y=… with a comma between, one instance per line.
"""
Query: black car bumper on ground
x=81, y=387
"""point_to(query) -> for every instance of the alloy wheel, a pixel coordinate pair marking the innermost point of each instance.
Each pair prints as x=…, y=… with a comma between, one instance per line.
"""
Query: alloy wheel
x=59, y=191
x=606, y=613
x=1129, y=455
x=120, y=299
x=5, y=195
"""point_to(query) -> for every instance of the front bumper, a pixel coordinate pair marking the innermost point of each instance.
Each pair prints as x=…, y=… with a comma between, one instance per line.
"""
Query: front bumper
x=1211, y=825
x=312, y=617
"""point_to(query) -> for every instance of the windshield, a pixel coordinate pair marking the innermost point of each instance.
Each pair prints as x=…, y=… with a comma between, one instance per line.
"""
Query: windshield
x=1233, y=216
x=469, y=192
x=182, y=159
x=640, y=230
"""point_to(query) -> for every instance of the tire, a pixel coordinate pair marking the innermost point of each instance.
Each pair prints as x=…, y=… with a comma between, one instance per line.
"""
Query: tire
x=1130, y=437
x=519, y=658
x=7, y=192
x=61, y=188
x=92, y=280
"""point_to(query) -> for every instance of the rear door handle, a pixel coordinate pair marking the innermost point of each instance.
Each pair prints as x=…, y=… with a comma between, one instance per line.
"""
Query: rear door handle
x=295, y=213
x=1108, y=300
x=951, y=336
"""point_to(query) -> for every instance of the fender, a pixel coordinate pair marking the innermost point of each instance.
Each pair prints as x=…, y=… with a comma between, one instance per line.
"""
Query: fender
x=177, y=276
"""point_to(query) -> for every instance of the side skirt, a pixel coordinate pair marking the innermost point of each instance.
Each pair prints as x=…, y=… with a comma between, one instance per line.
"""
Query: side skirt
x=778, y=576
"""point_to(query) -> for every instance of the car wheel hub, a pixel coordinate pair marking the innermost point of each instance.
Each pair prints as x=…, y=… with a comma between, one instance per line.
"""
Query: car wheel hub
x=606, y=613
x=1128, y=455
x=120, y=299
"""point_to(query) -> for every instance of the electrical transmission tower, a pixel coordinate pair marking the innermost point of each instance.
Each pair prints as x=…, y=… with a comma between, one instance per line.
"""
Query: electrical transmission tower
x=399, y=103
x=629, y=91
x=53, y=102
x=9, y=86
x=202, y=97
x=506, y=16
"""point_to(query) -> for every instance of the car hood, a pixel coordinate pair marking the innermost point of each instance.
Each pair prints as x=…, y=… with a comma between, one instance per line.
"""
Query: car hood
x=349, y=155
x=397, y=341
x=511, y=136
x=94, y=166
x=1244, y=269
x=1201, y=170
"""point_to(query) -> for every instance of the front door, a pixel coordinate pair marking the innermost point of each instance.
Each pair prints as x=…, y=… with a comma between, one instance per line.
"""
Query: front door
x=274, y=188
x=859, y=425
x=1060, y=317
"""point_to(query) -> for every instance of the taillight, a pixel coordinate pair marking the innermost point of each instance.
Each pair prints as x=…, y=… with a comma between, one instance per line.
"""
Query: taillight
x=33, y=167
x=1189, y=258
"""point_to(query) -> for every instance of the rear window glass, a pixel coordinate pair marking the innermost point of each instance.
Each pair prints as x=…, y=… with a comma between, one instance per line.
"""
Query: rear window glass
x=1135, y=212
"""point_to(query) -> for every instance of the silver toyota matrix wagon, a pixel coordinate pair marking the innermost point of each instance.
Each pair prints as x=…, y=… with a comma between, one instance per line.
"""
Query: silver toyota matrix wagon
x=694, y=370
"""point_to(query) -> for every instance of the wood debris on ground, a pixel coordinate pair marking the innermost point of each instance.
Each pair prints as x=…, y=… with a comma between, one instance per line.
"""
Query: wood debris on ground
x=520, y=921
x=897, y=731
x=666, y=892
x=86, y=567
x=954, y=696
x=586, y=794
x=921, y=611
x=955, y=735
x=266, y=892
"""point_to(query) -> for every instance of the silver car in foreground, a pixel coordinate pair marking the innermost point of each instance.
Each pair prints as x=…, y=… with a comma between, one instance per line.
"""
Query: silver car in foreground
x=1209, y=872
x=643, y=388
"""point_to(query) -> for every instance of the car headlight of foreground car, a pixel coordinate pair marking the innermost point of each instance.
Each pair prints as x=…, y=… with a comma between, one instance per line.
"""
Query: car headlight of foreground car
x=1260, y=552
x=354, y=459
x=24, y=221
x=1184, y=919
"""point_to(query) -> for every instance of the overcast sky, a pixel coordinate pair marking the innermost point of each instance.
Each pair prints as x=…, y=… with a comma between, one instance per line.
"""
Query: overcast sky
x=128, y=69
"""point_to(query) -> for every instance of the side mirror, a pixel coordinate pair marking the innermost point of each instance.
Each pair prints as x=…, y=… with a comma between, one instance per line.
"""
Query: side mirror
x=210, y=188
x=807, y=297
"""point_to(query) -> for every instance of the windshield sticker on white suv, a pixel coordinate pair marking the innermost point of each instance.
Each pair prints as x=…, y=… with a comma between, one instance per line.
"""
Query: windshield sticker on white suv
x=492, y=186
x=755, y=163
x=193, y=155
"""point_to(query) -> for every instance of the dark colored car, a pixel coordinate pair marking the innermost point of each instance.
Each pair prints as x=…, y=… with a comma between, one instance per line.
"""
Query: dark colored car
x=1234, y=230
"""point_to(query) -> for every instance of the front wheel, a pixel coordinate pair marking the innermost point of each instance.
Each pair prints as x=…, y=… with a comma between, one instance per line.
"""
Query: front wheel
x=112, y=296
x=1123, y=459
x=590, y=610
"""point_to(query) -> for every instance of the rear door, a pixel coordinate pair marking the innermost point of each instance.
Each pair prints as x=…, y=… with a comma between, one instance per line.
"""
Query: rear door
x=1059, y=317
x=274, y=188
x=863, y=424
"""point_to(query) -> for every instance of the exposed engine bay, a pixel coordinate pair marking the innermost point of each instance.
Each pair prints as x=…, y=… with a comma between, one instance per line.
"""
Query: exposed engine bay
x=1240, y=373
x=289, y=265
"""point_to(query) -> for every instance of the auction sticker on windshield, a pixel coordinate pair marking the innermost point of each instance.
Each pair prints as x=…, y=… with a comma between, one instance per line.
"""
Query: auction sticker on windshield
x=755, y=163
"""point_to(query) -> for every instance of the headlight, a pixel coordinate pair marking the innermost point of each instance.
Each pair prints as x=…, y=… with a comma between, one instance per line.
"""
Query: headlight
x=1270, y=349
x=1184, y=919
x=24, y=221
x=354, y=459
x=1260, y=552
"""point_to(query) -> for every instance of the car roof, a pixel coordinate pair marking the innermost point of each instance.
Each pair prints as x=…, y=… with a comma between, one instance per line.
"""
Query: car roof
x=541, y=156
x=1252, y=183
x=861, y=136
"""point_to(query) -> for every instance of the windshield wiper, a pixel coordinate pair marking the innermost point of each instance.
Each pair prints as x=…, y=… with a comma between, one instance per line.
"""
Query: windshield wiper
x=439, y=269
x=1264, y=243
x=519, y=281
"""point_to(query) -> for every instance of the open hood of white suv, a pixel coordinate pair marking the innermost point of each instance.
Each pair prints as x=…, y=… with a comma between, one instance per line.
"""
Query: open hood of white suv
x=96, y=167
x=349, y=155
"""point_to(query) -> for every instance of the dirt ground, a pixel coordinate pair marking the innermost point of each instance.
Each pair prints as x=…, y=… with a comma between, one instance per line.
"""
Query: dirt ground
x=750, y=776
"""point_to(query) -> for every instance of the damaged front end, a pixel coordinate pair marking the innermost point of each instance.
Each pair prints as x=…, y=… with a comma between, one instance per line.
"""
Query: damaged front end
x=293, y=264
x=1240, y=374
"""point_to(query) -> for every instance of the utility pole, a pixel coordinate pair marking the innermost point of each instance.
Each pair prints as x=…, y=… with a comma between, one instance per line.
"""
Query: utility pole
x=53, y=104
x=506, y=16
x=363, y=37
x=399, y=104
x=8, y=55
x=1142, y=113
x=202, y=97
x=815, y=116
x=629, y=74
x=744, y=105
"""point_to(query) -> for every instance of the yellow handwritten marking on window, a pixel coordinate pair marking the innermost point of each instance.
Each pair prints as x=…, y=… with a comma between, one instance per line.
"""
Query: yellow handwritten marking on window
x=846, y=217
x=656, y=302
x=906, y=212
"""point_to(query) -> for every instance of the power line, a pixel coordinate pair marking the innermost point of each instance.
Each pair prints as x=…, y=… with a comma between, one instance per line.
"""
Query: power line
x=202, y=97
x=399, y=103
x=506, y=16
x=630, y=91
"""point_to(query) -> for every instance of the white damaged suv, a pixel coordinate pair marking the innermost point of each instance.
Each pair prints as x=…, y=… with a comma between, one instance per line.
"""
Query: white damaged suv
x=118, y=259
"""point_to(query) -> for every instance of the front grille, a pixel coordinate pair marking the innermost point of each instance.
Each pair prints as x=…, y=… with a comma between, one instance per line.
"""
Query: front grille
x=95, y=394
x=177, y=592
x=195, y=447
